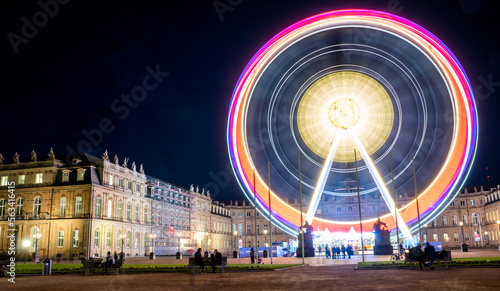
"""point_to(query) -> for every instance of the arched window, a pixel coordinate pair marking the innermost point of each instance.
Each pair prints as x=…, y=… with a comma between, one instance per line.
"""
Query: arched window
x=76, y=238
x=136, y=240
x=137, y=213
x=128, y=212
x=19, y=206
x=2, y=208
x=37, y=206
x=110, y=209
x=127, y=243
x=34, y=230
x=145, y=215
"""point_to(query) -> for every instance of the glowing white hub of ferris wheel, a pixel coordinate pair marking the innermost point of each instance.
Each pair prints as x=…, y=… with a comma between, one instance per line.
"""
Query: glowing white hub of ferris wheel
x=344, y=114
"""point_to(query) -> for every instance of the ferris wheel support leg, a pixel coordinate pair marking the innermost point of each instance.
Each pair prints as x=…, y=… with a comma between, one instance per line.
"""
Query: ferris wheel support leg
x=381, y=186
x=320, y=186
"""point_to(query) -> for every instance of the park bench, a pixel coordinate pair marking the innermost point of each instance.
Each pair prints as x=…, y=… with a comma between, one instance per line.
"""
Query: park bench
x=408, y=259
x=193, y=264
x=96, y=264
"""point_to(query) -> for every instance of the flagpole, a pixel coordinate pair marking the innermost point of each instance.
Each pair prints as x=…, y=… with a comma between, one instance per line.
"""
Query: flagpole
x=359, y=208
x=395, y=204
x=301, y=232
x=255, y=214
x=270, y=222
x=416, y=196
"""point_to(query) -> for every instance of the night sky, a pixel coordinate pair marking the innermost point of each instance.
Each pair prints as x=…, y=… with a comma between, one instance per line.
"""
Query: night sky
x=69, y=78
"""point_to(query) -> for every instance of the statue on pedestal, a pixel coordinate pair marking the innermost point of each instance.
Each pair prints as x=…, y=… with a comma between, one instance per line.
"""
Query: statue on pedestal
x=307, y=232
x=33, y=156
x=382, y=239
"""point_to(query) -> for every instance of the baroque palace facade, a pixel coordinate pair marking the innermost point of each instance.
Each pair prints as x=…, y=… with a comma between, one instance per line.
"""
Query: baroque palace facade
x=84, y=206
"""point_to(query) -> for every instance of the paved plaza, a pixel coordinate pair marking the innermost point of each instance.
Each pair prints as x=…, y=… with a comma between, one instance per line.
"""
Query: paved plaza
x=321, y=274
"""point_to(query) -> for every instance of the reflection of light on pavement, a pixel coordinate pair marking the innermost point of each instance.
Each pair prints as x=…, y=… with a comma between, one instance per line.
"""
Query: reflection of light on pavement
x=380, y=184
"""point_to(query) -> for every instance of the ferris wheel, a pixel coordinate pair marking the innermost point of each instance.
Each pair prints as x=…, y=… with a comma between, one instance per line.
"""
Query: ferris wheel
x=352, y=90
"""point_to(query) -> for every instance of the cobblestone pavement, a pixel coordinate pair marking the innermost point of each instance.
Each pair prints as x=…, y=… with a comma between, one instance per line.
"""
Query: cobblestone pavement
x=339, y=275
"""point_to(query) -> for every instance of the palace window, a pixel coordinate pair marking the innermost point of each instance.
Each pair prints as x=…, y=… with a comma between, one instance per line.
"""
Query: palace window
x=65, y=176
x=472, y=202
x=80, y=174
x=39, y=178
x=443, y=220
x=19, y=206
x=129, y=185
x=446, y=237
x=452, y=204
x=62, y=209
x=98, y=207
x=120, y=210
x=127, y=243
x=462, y=203
x=96, y=238
x=339, y=209
x=435, y=237
x=466, y=234
x=2, y=207
x=349, y=208
x=455, y=237
x=36, y=206
x=454, y=219
x=22, y=179
x=248, y=213
x=108, y=238
x=60, y=239
x=4, y=181
x=240, y=214
x=249, y=228
x=78, y=206
x=474, y=218
x=76, y=238
x=110, y=209
x=137, y=213
x=128, y=212
x=111, y=180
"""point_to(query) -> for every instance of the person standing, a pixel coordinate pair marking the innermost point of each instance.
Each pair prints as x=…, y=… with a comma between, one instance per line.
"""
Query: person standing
x=343, y=251
x=349, y=250
x=198, y=258
x=430, y=254
x=252, y=256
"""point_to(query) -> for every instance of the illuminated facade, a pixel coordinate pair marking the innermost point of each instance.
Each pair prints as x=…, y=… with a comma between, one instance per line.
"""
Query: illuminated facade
x=79, y=204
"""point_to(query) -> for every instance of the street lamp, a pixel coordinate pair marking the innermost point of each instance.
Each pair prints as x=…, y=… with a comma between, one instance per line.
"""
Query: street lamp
x=26, y=244
x=485, y=237
x=265, y=240
x=37, y=236
x=426, y=237
x=179, y=256
x=152, y=255
x=464, y=246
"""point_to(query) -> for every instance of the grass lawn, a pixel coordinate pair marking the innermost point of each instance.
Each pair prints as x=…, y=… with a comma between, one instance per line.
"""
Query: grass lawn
x=474, y=261
x=31, y=268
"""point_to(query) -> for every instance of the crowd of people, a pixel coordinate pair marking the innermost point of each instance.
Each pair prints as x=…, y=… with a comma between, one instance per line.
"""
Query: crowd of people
x=335, y=252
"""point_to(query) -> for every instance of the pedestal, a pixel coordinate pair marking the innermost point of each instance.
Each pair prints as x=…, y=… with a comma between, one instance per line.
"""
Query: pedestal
x=382, y=243
x=308, y=243
x=235, y=255
x=152, y=256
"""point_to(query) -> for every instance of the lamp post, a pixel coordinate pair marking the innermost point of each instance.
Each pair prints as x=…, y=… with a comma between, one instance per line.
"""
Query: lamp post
x=26, y=244
x=498, y=222
x=122, y=237
x=464, y=246
x=152, y=255
x=37, y=236
x=178, y=255
x=235, y=253
x=485, y=237
x=265, y=241
x=206, y=250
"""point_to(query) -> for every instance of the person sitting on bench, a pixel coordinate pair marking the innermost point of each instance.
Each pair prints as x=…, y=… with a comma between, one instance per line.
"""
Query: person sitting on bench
x=198, y=258
x=107, y=262
x=215, y=259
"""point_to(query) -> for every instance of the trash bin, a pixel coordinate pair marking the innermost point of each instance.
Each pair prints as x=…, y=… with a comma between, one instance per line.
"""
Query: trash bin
x=152, y=256
x=265, y=253
x=464, y=248
x=235, y=253
x=47, y=267
x=178, y=256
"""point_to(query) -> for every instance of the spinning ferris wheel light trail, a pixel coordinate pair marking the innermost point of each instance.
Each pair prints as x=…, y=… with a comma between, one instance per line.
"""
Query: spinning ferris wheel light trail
x=320, y=91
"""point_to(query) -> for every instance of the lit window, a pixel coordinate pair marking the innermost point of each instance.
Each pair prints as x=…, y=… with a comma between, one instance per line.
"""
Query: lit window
x=39, y=178
x=145, y=215
x=98, y=207
x=435, y=237
x=136, y=240
x=445, y=237
x=118, y=239
x=128, y=240
x=2, y=207
x=110, y=209
x=76, y=238
x=111, y=180
x=60, y=239
x=318, y=211
x=78, y=206
x=37, y=206
x=108, y=238
x=120, y=210
x=466, y=234
x=472, y=202
x=455, y=237
x=19, y=206
x=4, y=181
x=65, y=177
x=22, y=178
x=96, y=238
x=128, y=212
x=80, y=175
x=474, y=218
x=62, y=210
